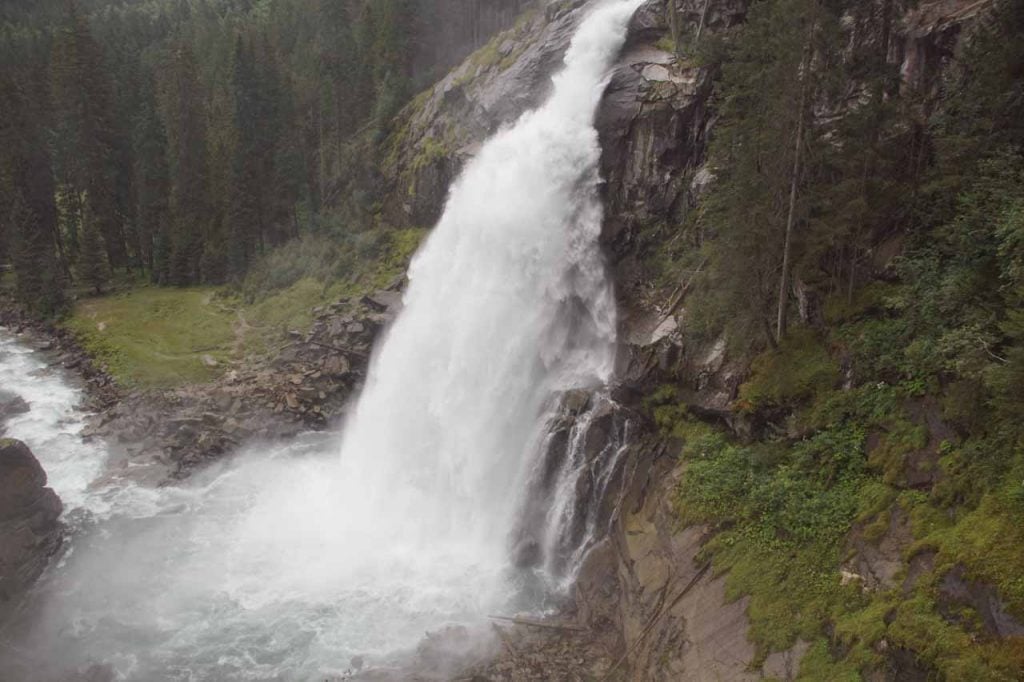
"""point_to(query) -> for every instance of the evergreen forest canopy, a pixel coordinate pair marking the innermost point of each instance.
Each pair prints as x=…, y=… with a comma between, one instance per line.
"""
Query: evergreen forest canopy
x=185, y=138
x=824, y=156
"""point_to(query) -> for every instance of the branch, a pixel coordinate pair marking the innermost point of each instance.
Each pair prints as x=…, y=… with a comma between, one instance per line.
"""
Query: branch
x=666, y=606
x=541, y=624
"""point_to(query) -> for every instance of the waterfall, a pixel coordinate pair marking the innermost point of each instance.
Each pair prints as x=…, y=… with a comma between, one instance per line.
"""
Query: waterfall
x=508, y=304
x=288, y=560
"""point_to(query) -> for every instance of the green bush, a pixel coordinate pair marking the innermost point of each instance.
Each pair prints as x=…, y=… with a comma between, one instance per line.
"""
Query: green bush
x=355, y=262
x=797, y=370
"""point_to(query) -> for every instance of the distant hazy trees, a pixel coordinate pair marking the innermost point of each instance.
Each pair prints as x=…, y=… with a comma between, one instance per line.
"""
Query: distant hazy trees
x=183, y=140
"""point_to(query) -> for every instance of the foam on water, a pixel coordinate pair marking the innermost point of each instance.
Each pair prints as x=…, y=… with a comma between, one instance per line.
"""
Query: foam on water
x=53, y=425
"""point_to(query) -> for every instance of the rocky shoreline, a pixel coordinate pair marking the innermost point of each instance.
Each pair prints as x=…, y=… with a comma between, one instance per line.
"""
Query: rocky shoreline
x=304, y=385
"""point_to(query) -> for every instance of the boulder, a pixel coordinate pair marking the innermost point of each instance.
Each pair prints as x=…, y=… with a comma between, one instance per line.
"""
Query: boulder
x=382, y=301
x=11, y=405
x=30, y=530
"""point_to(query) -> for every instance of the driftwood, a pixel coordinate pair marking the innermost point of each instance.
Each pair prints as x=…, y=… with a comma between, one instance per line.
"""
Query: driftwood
x=541, y=624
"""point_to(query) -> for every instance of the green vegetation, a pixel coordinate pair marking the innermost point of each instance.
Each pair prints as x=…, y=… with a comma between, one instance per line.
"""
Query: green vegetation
x=785, y=510
x=188, y=140
x=889, y=413
x=799, y=368
x=156, y=337
x=151, y=337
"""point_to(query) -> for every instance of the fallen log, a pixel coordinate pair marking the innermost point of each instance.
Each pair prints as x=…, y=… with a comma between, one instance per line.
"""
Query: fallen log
x=541, y=624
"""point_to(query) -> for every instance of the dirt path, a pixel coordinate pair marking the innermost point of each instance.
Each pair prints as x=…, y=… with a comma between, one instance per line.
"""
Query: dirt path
x=241, y=329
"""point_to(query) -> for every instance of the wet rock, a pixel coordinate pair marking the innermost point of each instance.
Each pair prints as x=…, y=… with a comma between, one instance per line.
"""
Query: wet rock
x=383, y=301
x=785, y=665
x=527, y=553
x=877, y=562
x=30, y=531
x=11, y=405
x=650, y=598
x=921, y=564
x=574, y=402
x=956, y=588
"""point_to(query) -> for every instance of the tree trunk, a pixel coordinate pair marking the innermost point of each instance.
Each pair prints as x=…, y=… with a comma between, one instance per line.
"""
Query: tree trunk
x=673, y=25
x=780, y=329
x=700, y=26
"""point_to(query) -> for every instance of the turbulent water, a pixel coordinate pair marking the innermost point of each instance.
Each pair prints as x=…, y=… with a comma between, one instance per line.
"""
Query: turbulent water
x=292, y=560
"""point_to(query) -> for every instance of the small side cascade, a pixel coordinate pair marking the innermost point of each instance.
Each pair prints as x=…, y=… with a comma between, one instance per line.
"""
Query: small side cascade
x=577, y=484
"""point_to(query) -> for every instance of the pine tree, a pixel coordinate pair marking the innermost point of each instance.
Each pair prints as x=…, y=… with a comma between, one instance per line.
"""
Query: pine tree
x=86, y=139
x=151, y=184
x=93, y=269
x=393, y=48
x=245, y=196
x=984, y=112
x=340, y=68
x=763, y=152
x=27, y=208
x=182, y=113
x=365, y=35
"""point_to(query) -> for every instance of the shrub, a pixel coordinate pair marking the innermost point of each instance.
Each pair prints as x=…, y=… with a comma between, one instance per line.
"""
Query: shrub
x=790, y=374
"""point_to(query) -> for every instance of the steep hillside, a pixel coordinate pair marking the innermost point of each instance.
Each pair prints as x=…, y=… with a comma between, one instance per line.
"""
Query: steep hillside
x=835, y=499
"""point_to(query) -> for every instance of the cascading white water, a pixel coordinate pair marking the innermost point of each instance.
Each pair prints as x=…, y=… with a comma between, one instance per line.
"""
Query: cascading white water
x=286, y=565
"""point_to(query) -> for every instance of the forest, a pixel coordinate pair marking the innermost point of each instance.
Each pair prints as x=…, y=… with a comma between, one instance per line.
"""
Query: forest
x=182, y=140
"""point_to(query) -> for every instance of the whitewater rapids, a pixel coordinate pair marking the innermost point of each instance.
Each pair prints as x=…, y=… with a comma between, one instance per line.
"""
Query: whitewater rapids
x=292, y=560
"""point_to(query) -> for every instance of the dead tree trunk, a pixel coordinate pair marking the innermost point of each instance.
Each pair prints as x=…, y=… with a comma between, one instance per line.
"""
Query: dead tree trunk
x=780, y=328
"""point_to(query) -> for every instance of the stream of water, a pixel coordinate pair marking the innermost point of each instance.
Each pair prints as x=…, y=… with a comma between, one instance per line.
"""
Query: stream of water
x=291, y=560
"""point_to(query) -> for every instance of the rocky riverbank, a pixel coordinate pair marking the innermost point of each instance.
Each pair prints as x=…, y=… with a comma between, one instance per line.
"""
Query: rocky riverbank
x=304, y=384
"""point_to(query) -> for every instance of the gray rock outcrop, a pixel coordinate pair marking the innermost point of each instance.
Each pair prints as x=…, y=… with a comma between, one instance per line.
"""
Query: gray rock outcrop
x=30, y=529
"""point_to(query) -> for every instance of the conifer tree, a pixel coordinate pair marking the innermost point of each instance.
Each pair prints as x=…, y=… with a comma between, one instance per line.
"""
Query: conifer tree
x=27, y=209
x=86, y=132
x=151, y=184
x=182, y=111
x=763, y=151
x=93, y=270
x=245, y=185
x=341, y=71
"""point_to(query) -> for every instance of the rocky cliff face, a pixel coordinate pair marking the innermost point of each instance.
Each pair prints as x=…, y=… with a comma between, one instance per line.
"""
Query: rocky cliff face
x=650, y=605
x=30, y=532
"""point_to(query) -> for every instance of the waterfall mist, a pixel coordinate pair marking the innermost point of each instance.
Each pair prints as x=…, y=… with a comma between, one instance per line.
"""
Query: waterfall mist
x=291, y=559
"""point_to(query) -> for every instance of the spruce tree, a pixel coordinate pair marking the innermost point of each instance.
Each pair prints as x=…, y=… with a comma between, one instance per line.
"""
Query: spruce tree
x=244, y=187
x=151, y=183
x=93, y=270
x=181, y=99
x=27, y=208
x=86, y=135
x=764, y=149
